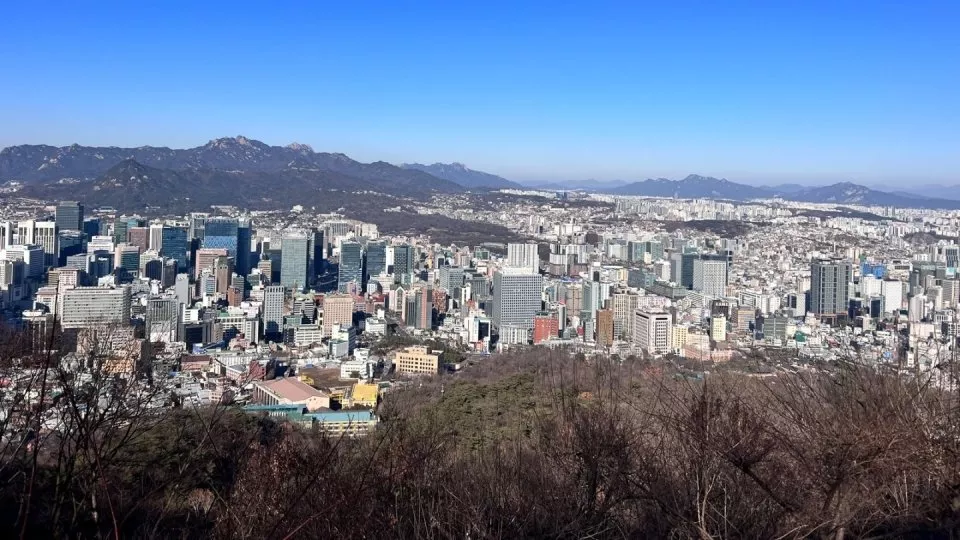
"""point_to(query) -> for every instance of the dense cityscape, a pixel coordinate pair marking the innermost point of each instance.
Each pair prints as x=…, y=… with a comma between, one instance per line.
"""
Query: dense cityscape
x=453, y=270
x=318, y=316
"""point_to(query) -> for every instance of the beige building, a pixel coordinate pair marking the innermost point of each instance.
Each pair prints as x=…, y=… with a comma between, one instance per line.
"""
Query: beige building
x=337, y=309
x=417, y=359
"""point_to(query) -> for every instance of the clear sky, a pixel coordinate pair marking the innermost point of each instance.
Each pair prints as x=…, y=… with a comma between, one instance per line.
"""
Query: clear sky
x=809, y=91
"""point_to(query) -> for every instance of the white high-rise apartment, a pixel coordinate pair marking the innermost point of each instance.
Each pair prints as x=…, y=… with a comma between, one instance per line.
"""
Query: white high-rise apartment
x=710, y=277
x=523, y=256
x=652, y=331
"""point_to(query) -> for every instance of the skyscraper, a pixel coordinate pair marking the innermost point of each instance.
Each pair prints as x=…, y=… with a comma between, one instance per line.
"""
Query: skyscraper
x=221, y=232
x=605, y=327
x=156, y=236
x=174, y=244
x=710, y=277
x=273, y=297
x=516, y=298
x=162, y=319
x=337, y=309
x=376, y=256
x=43, y=234
x=318, y=256
x=69, y=216
x=351, y=265
x=294, y=260
x=403, y=263
x=829, y=287
x=523, y=256
x=244, y=257
x=451, y=278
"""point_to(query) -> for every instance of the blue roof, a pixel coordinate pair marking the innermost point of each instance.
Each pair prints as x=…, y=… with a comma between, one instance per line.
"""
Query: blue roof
x=341, y=416
x=281, y=407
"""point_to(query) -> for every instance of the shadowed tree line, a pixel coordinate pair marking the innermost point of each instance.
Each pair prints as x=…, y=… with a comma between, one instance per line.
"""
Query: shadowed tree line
x=538, y=444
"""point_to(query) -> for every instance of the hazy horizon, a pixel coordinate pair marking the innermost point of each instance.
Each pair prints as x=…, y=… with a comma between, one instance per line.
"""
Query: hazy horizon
x=816, y=93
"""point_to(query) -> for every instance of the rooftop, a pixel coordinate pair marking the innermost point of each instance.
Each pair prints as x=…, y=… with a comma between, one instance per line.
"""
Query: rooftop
x=291, y=389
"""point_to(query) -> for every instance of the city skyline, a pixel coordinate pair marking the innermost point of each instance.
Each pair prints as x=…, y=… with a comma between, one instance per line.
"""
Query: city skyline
x=762, y=94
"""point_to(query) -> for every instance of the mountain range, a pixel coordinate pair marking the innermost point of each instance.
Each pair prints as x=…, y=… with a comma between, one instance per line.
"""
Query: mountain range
x=460, y=174
x=249, y=173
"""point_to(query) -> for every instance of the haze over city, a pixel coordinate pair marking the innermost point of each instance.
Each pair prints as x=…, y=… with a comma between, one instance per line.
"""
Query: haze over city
x=812, y=93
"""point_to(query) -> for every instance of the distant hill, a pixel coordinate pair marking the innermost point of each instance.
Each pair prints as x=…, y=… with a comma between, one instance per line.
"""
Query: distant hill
x=234, y=170
x=697, y=187
x=850, y=193
x=459, y=173
x=693, y=187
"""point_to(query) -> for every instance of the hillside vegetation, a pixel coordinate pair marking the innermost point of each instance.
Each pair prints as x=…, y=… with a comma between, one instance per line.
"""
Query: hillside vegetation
x=533, y=445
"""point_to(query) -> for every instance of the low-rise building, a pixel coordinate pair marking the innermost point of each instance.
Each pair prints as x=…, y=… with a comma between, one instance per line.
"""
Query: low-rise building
x=417, y=360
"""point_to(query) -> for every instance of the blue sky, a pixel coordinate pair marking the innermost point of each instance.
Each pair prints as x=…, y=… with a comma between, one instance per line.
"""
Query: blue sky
x=810, y=91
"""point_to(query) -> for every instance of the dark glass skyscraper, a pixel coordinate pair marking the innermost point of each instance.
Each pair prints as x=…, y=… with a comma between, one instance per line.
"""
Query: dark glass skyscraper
x=376, y=259
x=351, y=265
x=243, y=256
x=70, y=216
x=174, y=244
x=318, y=256
x=403, y=263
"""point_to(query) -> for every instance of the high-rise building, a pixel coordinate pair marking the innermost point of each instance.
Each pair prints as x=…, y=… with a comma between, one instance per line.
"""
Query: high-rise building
x=69, y=216
x=156, y=236
x=120, y=229
x=318, y=246
x=624, y=307
x=376, y=256
x=163, y=319
x=127, y=257
x=546, y=326
x=710, y=277
x=451, y=278
x=829, y=287
x=351, y=265
x=718, y=328
x=138, y=236
x=174, y=244
x=423, y=307
x=43, y=234
x=516, y=297
x=91, y=227
x=197, y=222
x=273, y=298
x=206, y=258
x=685, y=275
x=652, y=331
x=404, y=263
x=93, y=306
x=523, y=256
x=605, y=327
x=244, y=257
x=295, y=260
x=181, y=288
x=892, y=292
x=337, y=309
x=221, y=232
